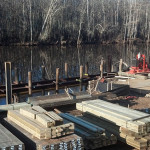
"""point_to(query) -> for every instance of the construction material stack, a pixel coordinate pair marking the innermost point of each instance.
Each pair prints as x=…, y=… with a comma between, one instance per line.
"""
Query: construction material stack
x=41, y=129
x=130, y=126
x=9, y=141
x=93, y=136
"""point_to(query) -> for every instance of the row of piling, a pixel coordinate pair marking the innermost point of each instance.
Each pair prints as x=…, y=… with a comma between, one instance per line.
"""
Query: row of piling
x=8, y=81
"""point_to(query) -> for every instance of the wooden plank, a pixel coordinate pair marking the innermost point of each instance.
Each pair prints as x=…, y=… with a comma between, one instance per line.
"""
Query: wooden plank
x=137, y=142
x=119, y=113
x=45, y=120
x=21, y=105
x=114, y=118
x=58, y=120
x=129, y=112
x=28, y=112
x=29, y=125
x=131, y=115
x=39, y=109
x=48, y=144
x=57, y=100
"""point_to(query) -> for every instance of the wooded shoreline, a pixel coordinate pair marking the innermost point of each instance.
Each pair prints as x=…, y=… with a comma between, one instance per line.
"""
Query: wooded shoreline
x=75, y=22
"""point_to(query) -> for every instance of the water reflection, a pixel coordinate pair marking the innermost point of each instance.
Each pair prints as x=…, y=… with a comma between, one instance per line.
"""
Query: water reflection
x=32, y=58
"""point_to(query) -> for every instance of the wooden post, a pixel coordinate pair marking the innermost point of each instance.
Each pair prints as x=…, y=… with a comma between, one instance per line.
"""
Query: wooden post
x=86, y=73
x=30, y=83
x=57, y=80
x=86, y=68
x=81, y=77
x=120, y=65
x=111, y=85
x=16, y=97
x=107, y=86
x=8, y=82
x=112, y=68
x=43, y=92
x=101, y=68
x=66, y=70
x=43, y=72
x=16, y=76
x=109, y=64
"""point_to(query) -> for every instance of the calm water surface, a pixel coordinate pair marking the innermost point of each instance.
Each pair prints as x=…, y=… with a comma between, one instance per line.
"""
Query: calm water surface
x=32, y=58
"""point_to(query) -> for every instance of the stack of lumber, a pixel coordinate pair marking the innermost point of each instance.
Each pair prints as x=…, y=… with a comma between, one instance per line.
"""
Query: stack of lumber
x=69, y=142
x=130, y=126
x=52, y=101
x=9, y=141
x=93, y=136
x=42, y=129
x=40, y=123
x=16, y=106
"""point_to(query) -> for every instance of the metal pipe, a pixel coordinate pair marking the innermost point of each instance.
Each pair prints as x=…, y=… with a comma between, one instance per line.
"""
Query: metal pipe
x=82, y=122
x=86, y=122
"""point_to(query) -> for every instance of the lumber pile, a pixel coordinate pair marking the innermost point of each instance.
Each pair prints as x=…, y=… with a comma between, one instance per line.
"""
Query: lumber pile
x=40, y=123
x=5, y=108
x=69, y=142
x=40, y=129
x=9, y=141
x=93, y=136
x=52, y=101
x=130, y=126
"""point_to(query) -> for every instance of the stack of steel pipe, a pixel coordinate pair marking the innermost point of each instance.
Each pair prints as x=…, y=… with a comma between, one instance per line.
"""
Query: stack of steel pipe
x=93, y=136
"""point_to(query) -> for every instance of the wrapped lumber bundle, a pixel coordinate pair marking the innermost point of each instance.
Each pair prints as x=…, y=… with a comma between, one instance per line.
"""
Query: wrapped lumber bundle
x=43, y=129
x=93, y=135
x=69, y=142
x=9, y=141
x=130, y=126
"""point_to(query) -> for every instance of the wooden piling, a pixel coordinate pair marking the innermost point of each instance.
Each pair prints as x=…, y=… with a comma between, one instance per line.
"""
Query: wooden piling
x=86, y=73
x=81, y=77
x=16, y=76
x=43, y=92
x=66, y=70
x=101, y=68
x=112, y=68
x=111, y=85
x=43, y=72
x=120, y=65
x=8, y=82
x=57, y=80
x=109, y=64
x=30, y=83
x=86, y=68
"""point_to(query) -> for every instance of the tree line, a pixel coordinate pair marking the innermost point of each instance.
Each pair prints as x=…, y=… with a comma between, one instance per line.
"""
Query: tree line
x=26, y=22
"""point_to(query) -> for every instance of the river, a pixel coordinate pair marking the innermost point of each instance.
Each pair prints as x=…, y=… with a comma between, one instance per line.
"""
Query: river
x=32, y=58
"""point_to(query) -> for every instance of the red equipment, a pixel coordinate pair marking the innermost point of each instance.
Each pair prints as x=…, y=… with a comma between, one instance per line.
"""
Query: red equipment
x=142, y=65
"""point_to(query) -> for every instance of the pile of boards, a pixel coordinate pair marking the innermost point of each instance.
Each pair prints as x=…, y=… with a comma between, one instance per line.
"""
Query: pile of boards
x=93, y=136
x=130, y=126
x=9, y=141
x=45, y=129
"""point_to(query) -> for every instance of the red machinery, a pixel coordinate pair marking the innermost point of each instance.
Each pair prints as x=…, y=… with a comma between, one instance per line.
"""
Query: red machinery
x=142, y=66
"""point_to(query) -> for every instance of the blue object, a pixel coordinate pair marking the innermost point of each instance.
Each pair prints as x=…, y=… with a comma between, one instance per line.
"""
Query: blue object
x=3, y=101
